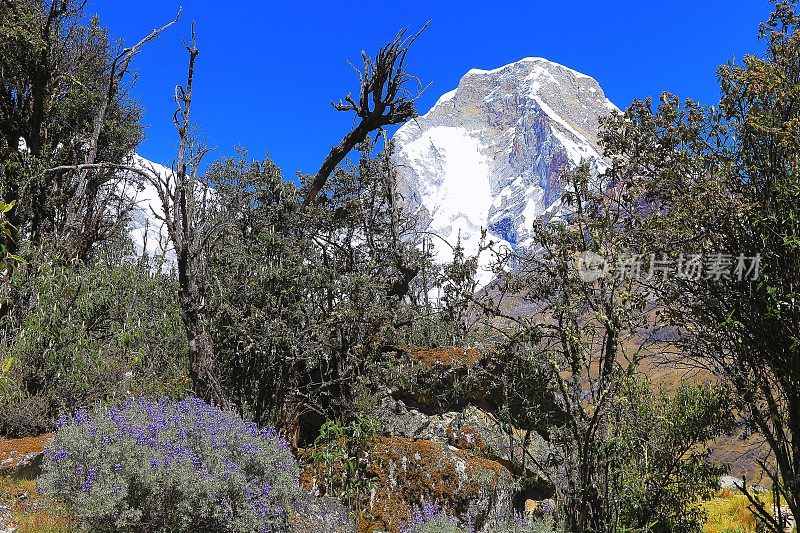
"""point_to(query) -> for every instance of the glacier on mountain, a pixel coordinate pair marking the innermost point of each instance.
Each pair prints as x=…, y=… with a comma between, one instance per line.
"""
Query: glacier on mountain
x=488, y=154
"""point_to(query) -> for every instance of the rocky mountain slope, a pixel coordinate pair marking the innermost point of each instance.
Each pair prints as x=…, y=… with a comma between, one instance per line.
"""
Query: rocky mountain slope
x=489, y=153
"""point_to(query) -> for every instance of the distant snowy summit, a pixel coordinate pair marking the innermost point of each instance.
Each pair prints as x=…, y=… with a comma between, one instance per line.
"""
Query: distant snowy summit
x=146, y=225
x=489, y=153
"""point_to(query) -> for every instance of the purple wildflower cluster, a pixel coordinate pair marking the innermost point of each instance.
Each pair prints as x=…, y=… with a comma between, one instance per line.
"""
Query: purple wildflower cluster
x=431, y=518
x=153, y=459
x=546, y=507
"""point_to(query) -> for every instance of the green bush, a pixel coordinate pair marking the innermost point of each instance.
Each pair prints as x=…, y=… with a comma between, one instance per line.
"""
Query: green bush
x=78, y=333
x=170, y=466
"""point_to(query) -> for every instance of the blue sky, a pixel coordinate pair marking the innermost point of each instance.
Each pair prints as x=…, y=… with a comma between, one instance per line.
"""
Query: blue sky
x=268, y=70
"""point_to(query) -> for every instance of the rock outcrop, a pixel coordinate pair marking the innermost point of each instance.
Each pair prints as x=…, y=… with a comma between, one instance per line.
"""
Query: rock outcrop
x=314, y=514
x=22, y=458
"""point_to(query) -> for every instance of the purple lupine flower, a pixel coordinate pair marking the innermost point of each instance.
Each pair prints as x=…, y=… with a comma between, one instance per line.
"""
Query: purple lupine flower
x=59, y=455
x=80, y=416
x=421, y=516
x=90, y=478
x=208, y=442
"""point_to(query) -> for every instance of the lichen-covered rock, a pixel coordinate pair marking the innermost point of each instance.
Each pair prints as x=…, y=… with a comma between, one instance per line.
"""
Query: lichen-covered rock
x=396, y=419
x=471, y=429
x=405, y=472
x=408, y=472
x=23, y=457
x=439, y=379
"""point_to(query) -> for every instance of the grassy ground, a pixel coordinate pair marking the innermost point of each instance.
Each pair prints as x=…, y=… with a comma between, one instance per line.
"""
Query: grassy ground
x=32, y=512
x=727, y=513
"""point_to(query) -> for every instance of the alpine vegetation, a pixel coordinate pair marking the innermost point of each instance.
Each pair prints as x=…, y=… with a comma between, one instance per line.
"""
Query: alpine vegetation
x=431, y=518
x=170, y=466
x=539, y=310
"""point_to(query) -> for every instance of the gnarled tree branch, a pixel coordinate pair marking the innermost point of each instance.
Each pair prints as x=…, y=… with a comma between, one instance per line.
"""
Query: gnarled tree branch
x=383, y=101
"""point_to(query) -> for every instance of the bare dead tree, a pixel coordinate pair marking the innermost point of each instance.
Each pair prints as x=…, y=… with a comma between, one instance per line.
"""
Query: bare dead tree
x=185, y=205
x=383, y=100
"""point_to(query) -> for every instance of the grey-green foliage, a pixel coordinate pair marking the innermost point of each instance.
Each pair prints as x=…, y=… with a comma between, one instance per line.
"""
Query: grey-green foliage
x=303, y=297
x=186, y=466
x=524, y=526
x=445, y=524
x=76, y=333
x=54, y=77
x=440, y=524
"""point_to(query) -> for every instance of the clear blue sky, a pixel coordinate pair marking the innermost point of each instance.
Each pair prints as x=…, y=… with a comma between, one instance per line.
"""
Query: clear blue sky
x=268, y=70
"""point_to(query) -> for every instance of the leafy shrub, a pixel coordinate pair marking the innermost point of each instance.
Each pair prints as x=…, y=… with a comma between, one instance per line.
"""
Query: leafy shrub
x=341, y=451
x=79, y=333
x=662, y=446
x=170, y=466
x=7, y=259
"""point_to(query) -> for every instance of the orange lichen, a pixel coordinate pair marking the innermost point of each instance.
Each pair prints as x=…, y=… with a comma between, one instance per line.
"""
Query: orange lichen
x=408, y=472
x=453, y=356
x=16, y=451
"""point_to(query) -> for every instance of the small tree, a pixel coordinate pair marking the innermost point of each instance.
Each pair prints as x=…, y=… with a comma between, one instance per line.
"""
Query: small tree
x=587, y=337
x=67, y=126
x=664, y=443
x=301, y=295
x=743, y=200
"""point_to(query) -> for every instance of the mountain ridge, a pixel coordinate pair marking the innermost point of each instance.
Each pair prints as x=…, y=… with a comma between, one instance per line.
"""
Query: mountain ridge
x=489, y=153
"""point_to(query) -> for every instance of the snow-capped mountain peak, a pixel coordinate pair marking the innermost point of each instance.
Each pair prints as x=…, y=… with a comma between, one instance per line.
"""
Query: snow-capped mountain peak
x=489, y=153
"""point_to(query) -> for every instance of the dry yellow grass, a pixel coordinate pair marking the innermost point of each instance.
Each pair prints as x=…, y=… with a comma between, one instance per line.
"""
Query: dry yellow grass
x=729, y=513
x=32, y=512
